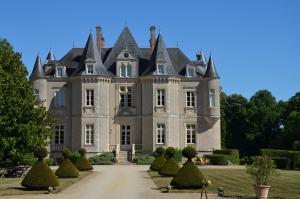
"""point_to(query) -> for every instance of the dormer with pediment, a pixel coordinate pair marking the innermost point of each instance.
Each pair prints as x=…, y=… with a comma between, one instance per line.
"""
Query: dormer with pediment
x=126, y=65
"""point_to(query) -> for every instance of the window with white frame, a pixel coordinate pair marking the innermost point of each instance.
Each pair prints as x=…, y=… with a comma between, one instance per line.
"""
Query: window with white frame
x=125, y=96
x=59, y=72
x=59, y=98
x=89, y=134
x=59, y=134
x=190, y=134
x=160, y=134
x=190, y=99
x=190, y=71
x=89, y=69
x=37, y=94
x=160, y=97
x=125, y=70
x=160, y=69
x=212, y=98
x=125, y=134
x=89, y=97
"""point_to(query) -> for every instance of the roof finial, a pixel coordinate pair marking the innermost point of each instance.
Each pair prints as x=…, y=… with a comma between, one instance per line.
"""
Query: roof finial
x=126, y=23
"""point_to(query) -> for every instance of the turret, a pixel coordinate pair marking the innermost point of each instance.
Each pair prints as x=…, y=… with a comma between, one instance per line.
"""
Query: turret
x=37, y=71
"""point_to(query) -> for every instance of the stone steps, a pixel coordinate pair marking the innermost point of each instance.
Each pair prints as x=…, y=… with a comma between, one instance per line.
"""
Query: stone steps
x=123, y=158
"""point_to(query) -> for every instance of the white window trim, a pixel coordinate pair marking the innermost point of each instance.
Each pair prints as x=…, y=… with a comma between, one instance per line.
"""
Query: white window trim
x=86, y=68
x=161, y=97
x=62, y=71
x=126, y=72
x=186, y=98
x=90, y=100
x=126, y=131
x=186, y=134
x=212, y=94
x=127, y=92
x=160, y=133
x=89, y=137
x=187, y=74
x=157, y=69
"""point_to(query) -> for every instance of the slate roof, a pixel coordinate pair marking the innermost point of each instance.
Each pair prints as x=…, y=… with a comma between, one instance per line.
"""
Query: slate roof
x=174, y=58
x=37, y=71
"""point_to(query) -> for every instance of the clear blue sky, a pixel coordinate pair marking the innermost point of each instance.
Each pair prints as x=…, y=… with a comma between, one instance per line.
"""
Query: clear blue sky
x=255, y=44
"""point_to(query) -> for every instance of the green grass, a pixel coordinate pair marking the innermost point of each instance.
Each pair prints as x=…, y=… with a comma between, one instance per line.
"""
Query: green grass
x=237, y=183
x=12, y=186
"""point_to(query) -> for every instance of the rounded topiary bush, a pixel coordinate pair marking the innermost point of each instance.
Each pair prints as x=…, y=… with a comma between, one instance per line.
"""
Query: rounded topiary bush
x=82, y=164
x=40, y=153
x=67, y=169
x=189, y=176
x=189, y=152
x=159, y=161
x=171, y=167
x=40, y=176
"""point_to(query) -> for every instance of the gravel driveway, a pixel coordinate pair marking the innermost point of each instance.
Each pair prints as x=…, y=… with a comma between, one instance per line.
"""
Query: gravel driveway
x=114, y=182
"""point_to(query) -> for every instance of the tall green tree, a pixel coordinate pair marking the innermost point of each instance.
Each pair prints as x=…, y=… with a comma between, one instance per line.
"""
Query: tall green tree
x=24, y=122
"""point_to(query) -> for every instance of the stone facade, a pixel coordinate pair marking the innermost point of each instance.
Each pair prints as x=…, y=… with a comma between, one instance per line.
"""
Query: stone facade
x=104, y=98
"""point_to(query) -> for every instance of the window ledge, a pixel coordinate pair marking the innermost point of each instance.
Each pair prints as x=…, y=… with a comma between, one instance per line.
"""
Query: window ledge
x=88, y=109
x=159, y=109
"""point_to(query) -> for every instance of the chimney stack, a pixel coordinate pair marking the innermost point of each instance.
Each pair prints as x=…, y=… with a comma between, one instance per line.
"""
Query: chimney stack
x=99, y=38
x=152, y=39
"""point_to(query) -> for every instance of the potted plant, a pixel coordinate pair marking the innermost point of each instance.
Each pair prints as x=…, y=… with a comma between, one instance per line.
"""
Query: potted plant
x=261, y=169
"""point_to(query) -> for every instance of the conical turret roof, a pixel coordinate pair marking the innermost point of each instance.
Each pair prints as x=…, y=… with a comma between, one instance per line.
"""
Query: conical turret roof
x=211, y=71
x=37, y=71
x=50, y=56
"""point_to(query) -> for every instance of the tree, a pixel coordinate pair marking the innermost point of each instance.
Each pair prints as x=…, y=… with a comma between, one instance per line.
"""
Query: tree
x=223, y=101
x=24, y=123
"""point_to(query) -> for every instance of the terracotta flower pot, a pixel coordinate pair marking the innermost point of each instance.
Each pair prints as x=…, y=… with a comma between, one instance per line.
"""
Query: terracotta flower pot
x=262, y=191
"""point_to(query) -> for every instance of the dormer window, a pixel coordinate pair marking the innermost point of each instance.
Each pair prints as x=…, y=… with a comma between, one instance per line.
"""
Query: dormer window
x=59, y=72
x=190, y=71
x=160, y=69
x=126, y=70
x=89, y=69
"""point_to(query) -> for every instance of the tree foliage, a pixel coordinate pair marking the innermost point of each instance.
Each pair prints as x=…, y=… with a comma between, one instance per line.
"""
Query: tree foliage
x=24, y=123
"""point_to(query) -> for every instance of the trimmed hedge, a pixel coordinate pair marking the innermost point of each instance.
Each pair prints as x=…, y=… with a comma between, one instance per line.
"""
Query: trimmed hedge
x=67, y=170
x=234, y=153
x=143, y=159
x=218, y=159
x=170, y=167
x=281, y=162
x=294, y=156
x=103, y=159
x=158, y=163
x=82, y=164
x=40, y=153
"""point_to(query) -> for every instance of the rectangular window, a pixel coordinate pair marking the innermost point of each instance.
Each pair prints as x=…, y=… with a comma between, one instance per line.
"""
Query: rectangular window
x=89, y=69
x=89, y=134
x=190, y=99
x=59, y=98
x=37, y=94
x=160, y=97
x=160, y=134
x=125, y=134
x=59, y=134
x=212, y=98
x=160, y=69
x=190, y=71
x=190, y=134
x=89, y=97
x=59, y=72
x=125, y=96
x=125, y=70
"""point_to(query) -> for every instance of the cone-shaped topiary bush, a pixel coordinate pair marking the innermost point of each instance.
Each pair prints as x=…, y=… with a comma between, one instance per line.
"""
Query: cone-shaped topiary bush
x=171, y=166
x=67, y=169
x=82, y=164
x=159, y=161
x=40, y=176
x=189, y=176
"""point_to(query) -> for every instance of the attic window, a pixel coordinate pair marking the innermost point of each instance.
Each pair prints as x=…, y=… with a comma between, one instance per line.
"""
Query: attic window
x=89, y=69
x=160, y=69
x=190, y=71
x=59, y=72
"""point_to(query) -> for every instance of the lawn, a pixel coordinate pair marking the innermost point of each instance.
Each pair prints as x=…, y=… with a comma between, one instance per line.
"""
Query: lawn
x=237, y=183
x=12, y=186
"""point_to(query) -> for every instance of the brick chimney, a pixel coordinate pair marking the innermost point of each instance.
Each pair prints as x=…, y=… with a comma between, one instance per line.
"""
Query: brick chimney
x=152, y=39
x=99, y=38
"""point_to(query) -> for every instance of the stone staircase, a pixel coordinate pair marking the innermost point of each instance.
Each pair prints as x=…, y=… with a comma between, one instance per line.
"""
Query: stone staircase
x=123, y=158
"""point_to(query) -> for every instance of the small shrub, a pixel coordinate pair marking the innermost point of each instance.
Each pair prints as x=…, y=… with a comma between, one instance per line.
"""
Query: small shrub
x=66, y=152
x=294, y=156
x=49, y=161
x=170, y=167
x=82, y=164
x=159, y=151
x=40, y=153
x=178, y=155
x=281, y=162
x=74, y=157
x=170, y=152
x=143, y=159
x=67, y=170
x=247, y=160
x=159, y=161
x=103, y=159
x=82, y=151
x=189, y=152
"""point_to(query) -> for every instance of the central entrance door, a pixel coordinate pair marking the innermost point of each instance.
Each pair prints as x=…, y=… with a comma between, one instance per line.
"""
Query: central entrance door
x=125, y=137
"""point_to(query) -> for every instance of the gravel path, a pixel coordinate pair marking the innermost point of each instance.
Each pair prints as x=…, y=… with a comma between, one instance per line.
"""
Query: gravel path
x=114, y=182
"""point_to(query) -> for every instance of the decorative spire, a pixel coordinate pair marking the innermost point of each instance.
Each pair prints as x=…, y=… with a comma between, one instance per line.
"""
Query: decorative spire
x=50, y=57
x=37, y=71
x=201, y=57
x=211, y=71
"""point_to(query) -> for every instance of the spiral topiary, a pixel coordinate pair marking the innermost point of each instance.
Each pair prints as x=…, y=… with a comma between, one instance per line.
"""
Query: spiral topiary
x=171, y=167
x=189, y=176
x=189, y=152
x=82, y=164
x=67, y=169
x=159, y=161
x=40, y=176
x=40, y=153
